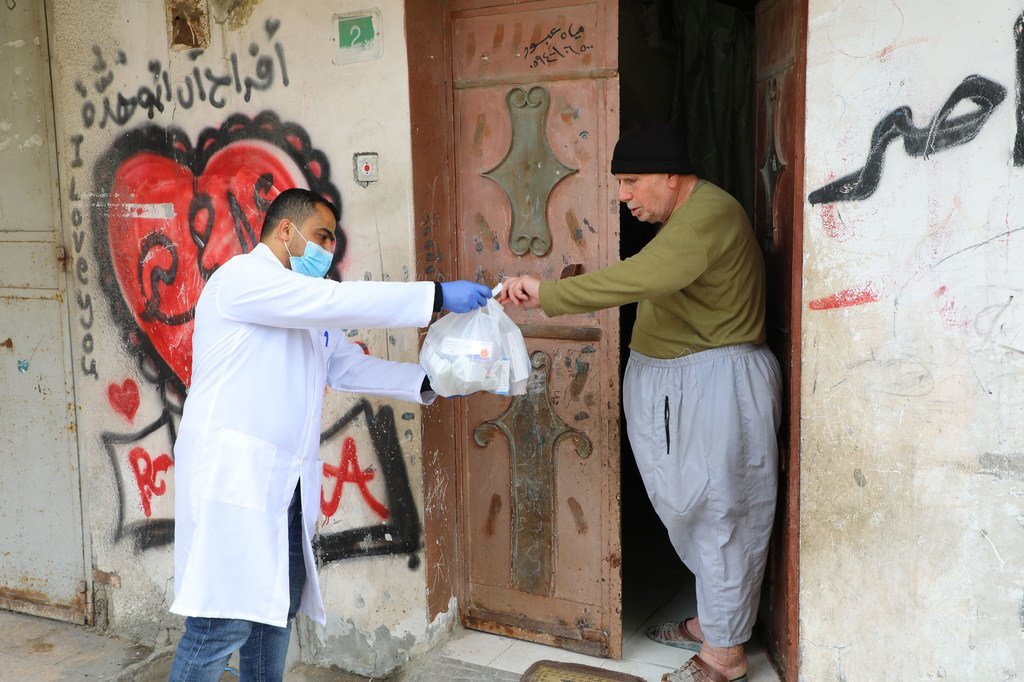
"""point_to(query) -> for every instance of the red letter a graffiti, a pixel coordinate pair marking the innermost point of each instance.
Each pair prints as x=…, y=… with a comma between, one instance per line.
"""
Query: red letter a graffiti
x=348, y=471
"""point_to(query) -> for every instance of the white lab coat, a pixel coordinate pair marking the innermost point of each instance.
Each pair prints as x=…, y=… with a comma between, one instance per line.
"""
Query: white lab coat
x=266, y=341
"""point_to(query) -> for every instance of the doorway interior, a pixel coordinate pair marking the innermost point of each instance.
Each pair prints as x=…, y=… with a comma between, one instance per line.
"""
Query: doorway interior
x=690, y=62
x=730, y=75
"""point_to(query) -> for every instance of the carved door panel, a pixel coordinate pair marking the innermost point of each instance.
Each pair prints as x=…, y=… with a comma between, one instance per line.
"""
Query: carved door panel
x=780, y=46
x=535, y=95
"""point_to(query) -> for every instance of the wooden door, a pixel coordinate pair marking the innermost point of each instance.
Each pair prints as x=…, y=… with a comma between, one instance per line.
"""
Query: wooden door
x=780, y=65
x=532, y=94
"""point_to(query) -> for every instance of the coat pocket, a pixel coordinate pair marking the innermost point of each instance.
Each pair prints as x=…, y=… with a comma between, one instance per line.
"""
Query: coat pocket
x=239, y=469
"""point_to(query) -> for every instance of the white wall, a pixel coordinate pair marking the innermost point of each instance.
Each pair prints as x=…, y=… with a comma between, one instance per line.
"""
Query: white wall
x=912, y=472
x=130, y=363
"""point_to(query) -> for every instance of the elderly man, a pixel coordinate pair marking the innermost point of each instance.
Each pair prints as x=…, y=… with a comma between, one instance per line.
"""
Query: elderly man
x=268, y=338
x=701, y=391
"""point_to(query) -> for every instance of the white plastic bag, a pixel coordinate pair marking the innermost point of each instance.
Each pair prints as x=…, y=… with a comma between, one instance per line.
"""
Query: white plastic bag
x=482, y=350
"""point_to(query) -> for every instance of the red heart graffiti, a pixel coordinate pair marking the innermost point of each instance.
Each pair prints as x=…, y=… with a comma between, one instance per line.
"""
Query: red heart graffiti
x=169, y=230
x=124, y=398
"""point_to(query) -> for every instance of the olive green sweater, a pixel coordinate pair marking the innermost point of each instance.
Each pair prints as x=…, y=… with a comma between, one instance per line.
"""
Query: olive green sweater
x=699, y=282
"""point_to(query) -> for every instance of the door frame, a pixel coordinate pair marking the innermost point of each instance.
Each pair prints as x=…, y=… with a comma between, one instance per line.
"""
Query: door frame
x=779, y=622
x=433, y=200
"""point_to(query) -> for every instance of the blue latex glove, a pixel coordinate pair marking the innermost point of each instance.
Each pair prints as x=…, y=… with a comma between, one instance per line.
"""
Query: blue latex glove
x=461, y=296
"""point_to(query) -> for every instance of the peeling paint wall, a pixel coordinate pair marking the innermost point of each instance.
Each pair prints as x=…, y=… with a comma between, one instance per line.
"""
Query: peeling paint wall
x=912, y=464
x=167, y=159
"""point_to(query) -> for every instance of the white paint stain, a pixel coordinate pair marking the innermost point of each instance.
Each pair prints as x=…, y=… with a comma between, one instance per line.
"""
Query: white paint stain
x=15, y=43
x=994, y=548
x=4, y=143
x=153, y=211
x=5, y=126
x=34, y=141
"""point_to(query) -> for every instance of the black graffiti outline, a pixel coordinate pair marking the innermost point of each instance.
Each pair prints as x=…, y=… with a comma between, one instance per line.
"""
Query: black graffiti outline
x=239, y=221
x=201, y=203
x=400, y=534
x=1018, y=145
x=157, y=274
x=148, y=533
x=174, y=143
x=942, y=133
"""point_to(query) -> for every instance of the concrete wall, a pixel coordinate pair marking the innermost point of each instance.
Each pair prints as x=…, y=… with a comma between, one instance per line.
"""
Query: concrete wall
x=912, y=503
x=148, y=139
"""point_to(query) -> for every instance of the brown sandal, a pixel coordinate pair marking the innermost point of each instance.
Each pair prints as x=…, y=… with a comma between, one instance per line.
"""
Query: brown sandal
x=698, y=670
x=675, y=634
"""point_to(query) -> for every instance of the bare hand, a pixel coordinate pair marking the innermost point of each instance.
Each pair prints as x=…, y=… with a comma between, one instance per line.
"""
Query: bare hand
x=522, y=291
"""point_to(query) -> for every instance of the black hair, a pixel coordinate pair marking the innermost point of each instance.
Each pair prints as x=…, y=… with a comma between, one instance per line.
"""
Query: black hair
x=295, y=204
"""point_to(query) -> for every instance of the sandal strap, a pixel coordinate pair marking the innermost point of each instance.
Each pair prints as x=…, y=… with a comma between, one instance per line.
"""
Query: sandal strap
x=674, y=632
x=698, y=670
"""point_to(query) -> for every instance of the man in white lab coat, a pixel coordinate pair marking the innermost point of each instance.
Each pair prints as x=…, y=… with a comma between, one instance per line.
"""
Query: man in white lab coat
x=267, y=340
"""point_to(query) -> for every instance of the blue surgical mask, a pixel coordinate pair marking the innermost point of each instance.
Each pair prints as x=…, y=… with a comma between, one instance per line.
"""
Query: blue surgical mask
x=315, y=261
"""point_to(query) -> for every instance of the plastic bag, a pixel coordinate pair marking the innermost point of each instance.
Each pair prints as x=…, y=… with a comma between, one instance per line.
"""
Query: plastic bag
x=482, y=350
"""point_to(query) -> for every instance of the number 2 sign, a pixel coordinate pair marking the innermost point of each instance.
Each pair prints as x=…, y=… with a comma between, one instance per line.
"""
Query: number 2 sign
x=358, y=36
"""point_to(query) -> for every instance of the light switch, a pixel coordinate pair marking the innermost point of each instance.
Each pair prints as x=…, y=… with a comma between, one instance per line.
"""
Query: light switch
x=365, y=167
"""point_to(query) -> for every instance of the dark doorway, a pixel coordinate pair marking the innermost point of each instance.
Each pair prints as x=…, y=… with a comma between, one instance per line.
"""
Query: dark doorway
x=695, y=63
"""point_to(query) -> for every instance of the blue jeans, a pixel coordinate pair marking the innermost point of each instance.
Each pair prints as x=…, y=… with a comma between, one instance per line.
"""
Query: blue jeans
x=208, y=643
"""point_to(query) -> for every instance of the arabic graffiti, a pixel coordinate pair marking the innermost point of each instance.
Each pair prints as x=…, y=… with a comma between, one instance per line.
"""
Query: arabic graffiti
x=974, y=100
x=943, y=132
x=559, y=43
x=151, y=98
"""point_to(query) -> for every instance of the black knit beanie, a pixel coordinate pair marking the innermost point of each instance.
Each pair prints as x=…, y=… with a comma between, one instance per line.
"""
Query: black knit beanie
x=651, y=148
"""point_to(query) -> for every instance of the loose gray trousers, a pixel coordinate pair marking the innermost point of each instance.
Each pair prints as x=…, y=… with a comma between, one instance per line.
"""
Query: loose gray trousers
x=703, y=431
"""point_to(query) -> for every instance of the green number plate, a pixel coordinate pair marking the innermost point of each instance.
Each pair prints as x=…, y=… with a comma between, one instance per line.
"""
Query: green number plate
x=355, y=31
